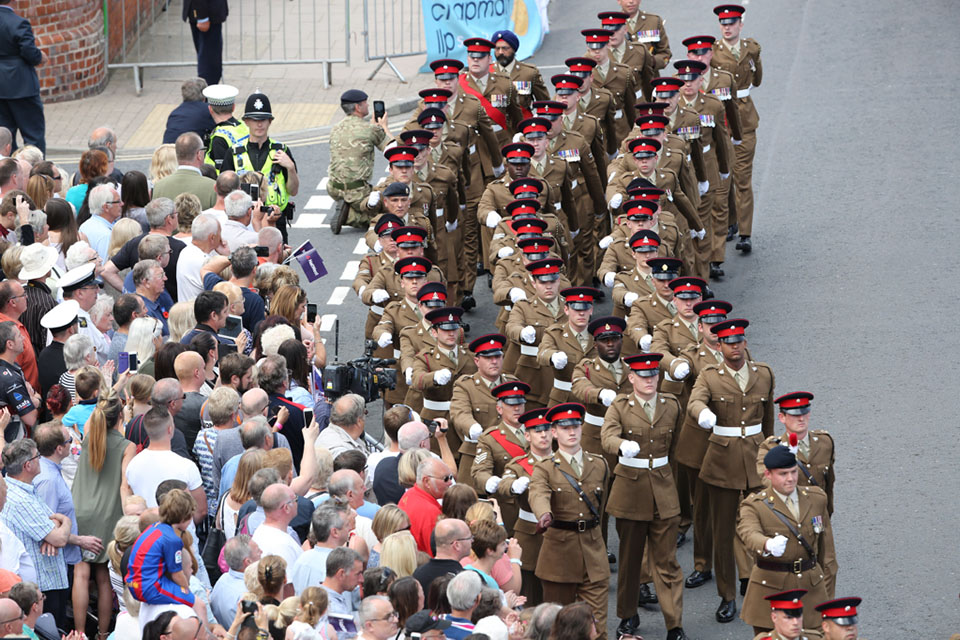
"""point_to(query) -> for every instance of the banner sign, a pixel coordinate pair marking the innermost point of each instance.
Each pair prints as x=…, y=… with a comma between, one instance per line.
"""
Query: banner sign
x=446, y=23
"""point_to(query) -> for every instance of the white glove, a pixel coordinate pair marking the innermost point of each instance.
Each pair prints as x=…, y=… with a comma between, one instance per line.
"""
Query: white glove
x=629, y=449
x=736, y=142
x=776, y=545
x=385, y=340
x=373, y=199
x=491, y=484
x=380, y=295
x=408, y=375
x=707, y=419
x=498, y=171
x=724, y=176
x=519, y=137
x=475, y=431
x=681, y=371
x=558, y=360
x=451, y=226
x=616, y=201
x=574, y=234
x=629, y=298
x=517, y=294
x=644, y=342
x=608, y=279
x=377, y=247
x=442, y=377
x=519, y=485
x=363, y=288
x=605, y=242
x=505, y=252
x=703, y=187
x=702, y=234
x=693, y=234
x=528, y=334
x=493, y=219
x=607, y=396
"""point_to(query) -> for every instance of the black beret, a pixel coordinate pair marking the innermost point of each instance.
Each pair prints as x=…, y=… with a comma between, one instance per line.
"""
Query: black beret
x=396, y=189
x=780, y=457
x=352, y=96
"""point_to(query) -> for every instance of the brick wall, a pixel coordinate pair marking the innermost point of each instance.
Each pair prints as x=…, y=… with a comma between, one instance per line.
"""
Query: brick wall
x=123, y=21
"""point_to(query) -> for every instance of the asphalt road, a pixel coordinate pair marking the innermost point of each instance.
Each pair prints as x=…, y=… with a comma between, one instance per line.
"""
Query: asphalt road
x=847, y=289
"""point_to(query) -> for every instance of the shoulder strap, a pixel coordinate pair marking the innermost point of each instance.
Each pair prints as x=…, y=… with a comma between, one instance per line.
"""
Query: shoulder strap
x=799, y=536
x=495, y=114
x=576, y=486
x=808, y=475
x=205, y=441
x=513, y=449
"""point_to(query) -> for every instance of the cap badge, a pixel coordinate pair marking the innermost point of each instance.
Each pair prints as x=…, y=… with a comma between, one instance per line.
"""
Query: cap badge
x=258, y=104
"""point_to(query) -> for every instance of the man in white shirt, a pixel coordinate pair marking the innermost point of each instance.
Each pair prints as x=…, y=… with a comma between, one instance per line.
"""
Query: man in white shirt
x=279, y=508
x=239, y=210
x=345, y=431
x=331, y=525
x=227, y=182
x=13, y=555
x=206, y=242
x=157, y=463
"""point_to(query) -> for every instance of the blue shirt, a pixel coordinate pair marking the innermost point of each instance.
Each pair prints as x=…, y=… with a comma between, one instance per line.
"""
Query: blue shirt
x=459, y=628
x=254, y=308
x=227, y=474
x=98, y=230
x=310, y=569
x=29, y=518
x=53, y=490
x=225, y=596
x=78, y=414
x=367, y=510
x=160, y=310
x=156, y=554
x=75, y=196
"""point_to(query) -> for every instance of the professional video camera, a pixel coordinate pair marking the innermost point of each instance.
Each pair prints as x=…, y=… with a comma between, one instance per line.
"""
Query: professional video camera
x=366, y=376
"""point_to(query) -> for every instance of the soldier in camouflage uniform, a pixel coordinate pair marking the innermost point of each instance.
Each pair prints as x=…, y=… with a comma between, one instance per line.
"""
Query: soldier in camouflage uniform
x=351, y=160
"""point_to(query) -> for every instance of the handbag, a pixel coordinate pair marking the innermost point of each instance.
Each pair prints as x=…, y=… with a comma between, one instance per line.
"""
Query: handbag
x=216, y=537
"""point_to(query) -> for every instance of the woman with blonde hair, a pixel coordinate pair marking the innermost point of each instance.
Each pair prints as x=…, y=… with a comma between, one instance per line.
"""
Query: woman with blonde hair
x=289, y=301
x=98, y=493
x=235, y=308
x=124, y=230
x=139, y=388
x=188, y=207
x=399, y=553
x=407, y=467
x=271, y=576
x=250, y=462
x=310, y=621
x=388, y=520
x=125, y=533
x=40, y=188
x=144, y=339
x=181, y=320
x=10, y=262
x=163, y=163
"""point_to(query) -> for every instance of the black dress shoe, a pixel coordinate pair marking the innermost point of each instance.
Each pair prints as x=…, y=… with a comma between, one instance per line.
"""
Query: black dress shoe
x=744, y=244
x=697, y=579
x=611, y=558
x=727, y=611
x=340, y=211
x=676, y=634
x=681, y=538
x=708, y=293
x=716, y=271
x=628, y=626
x=468, y=302
x=744, y=583
x=647, y=595
x=489, y=280
x=732, y=231
x=481, y=269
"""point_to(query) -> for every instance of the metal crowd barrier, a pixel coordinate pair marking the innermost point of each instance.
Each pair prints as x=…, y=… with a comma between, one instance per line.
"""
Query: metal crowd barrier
x=392, y=29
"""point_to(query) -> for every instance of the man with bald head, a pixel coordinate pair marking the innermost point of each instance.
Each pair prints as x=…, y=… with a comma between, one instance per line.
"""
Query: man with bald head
x=188, y=629
x=452, y=538
x=421, y=502
x=11, y=619
x=279, y=508
x=191, y=372
x=254, y=433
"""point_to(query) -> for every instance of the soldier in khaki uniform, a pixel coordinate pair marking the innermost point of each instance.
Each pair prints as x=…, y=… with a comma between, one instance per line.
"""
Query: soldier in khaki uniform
x=639, y=428
x=567, y=494
x=526, y=325
x=567, y=88
x=814, y=449
x=741, y=57
x=415, y=338
x=373, y=262
x=647, y=313
x=786, y=613
x=554, y=172
x=618, y=254
x=473, y=408
x=567, y=342
x=384, y=287
x=595, y=101
x=786, y=529
x=512, y=281
x=525, y=77
x=437, y=368
x=635, y=56
x=352, y=141
x=422, y=203
x=515, y=482
x=636, y=284
x=672, y=337
x=735, y=401
x=500, y=444
x=615, y=77
x=519, y=214
x=647, y=29
x=840, y=619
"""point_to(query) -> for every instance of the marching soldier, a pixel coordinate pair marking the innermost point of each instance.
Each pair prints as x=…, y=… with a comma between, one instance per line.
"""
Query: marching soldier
x=734, y=401
x=639, y=428
x=787, y=531
x=526, y=77
x=493, y=89
x=741, y=57
x=422, y=203
x=647, y=29
x=507, y=235
x=473, y=407
x=229, y=135
x=416, y=338
x=615, y=77
x=595, y=101
x=840, y=618
x=567, y=88
x=500, y=444
x=618, y=252
x=384, y=287
x=567, y=342
x=692, y=441
x=671, y=337
x=637, y=57
x=352, y=141
x=567, y=494
x=526, y=325
x=512, y=281
x=630, y=286
x=515, y=482
x=684, y=124
x=814, y=449
x=373, y=262
x=549, y=168
x=647, y=313
x=436, y=368
x=786, y=614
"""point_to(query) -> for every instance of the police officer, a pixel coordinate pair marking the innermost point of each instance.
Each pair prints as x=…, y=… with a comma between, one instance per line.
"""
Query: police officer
x=229, y=135
x=16, y=395
x=839, y=618
x=786, y=529
x=526, y=77
x=639, y=427
x=567, y=342
x=82, y=284
x=567, y=494
x=814, y=449
x=352, y=141
x=61, y=323
x=786, y=614
x=273, y=160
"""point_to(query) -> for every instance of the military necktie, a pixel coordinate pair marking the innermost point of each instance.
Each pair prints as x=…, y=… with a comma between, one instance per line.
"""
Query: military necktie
x=740, y=381
x=648, y=409
x=804, y=446
x=575, y=466
x=794, y=507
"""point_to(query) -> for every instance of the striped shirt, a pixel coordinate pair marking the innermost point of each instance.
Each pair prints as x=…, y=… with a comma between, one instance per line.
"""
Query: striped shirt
x=29, y=519
x=204, y=456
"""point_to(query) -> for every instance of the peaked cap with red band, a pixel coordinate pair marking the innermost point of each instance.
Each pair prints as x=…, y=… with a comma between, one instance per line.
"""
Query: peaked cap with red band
x=607, y=326
x=478, y=46
x=787, y=601
x=699, y=44
x=728, y=13
x=596, y=38
x=566, y=83
x=651, y=122
x=548, y=108
x=613, y=19
x=730, y=330
x=536, y=245
x=645, y=365
x=796, y=403
x=401, y=156
x=435, y=95
x=548, y=267
x=416, y=137
x=666, y=85
x=535, y=419
x=535, y=127
x=525, y=187
x=645, y=241
x=580, y=65
x=447, y=318
x=688, y=287
x=525, y=206
x=525, y=226
x=712, y=311
x=842, y=611
x=650, y=108
x=664, y=268
x=569, y=413
x=446, y=66
x=580, y=298
x=431, y=118
x=513, y=392
x=409, y=236
x=412, y=267
x=517, y=152
x=688, y=70
x=387, y=223
x=432, y=294
x=641, y=189
x=644, y=147
x=489, y=345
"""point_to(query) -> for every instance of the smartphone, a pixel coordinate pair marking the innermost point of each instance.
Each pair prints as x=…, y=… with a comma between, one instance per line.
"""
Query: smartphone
x=262, y=252
x=245, y=187
x=233, y=327
x=133, y=362
x=123, y=362
x=311, y=313
x=379, y=109
x=255, y=192
x=307, y=416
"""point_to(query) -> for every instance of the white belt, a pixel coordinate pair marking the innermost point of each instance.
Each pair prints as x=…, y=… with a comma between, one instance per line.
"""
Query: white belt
x=433, y=405
x=737, y=432
x=526, y=515
x=396, y=353
x=529, y=349
x=438, y=213
x=618, y=114
x=743, y=93
x=706, y=148
x=562, y=385
x=497, y=128
x=473, y=148
x=644, y=463
x=376, y=309
x=574, y=183
x=592, y=419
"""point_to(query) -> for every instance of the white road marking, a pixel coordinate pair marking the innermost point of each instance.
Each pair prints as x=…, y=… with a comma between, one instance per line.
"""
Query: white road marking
x=311, y=221
x=327, y=320
x=361, y=248
x=350, y=270
x=322, y=203
x=323, y=184
x=338, y=296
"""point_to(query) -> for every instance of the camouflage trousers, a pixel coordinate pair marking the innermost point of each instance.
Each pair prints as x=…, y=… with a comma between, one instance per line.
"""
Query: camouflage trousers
x=355, y=199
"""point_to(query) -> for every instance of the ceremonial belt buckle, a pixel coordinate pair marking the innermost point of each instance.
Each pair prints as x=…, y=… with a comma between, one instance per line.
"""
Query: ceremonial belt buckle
x=798, y=566
x=581, y=526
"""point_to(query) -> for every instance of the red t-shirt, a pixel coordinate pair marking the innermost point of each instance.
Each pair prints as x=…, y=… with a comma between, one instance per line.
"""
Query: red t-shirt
x=423, y=511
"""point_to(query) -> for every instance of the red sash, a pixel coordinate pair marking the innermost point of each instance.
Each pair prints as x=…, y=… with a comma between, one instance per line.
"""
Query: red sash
x=495, y=114
x=525, y=464
x=513, y=449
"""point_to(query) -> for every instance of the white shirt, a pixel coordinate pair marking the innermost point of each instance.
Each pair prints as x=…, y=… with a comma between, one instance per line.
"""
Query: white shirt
x=189, y=284
x=14, y=556
x=237, y=234
x=149, y=468
x=278, y=543
x=374, y=459
x=100, y=342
